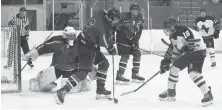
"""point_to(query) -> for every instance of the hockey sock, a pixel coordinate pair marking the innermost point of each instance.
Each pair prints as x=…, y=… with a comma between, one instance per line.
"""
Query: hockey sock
x=199, y=81
x=173, y=77
x=212, y=54
x=71, y=83
x=136, y=64
x=101, y=73
x=123, y=64
x=101, y=77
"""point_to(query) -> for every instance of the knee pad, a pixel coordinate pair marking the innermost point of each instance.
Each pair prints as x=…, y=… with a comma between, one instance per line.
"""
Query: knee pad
x=104, y=65
x=44, y=80
x=136, y=53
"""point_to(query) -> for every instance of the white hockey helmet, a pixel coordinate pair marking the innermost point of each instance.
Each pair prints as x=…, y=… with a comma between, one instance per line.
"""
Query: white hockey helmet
x=70, y=33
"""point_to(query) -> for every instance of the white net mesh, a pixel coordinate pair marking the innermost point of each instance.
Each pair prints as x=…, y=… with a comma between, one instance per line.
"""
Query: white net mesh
x=10, y=60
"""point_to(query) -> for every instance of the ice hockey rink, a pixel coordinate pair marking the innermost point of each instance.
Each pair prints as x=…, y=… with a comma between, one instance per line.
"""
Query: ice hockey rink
x=188, y=95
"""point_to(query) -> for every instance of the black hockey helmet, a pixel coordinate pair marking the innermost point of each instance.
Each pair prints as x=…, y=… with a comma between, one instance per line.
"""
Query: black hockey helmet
x=169, y=25
x=134, y=6
x=113, y=14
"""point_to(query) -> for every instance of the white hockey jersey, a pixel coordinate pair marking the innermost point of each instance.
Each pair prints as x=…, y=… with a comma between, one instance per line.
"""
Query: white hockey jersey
x=206, y=25
x=184, y=37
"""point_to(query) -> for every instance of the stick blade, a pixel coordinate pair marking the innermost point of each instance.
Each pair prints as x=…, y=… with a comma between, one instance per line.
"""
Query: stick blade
x=126, y=93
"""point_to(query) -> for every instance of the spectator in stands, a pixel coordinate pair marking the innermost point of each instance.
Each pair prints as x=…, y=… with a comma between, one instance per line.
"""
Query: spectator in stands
x=21, y=21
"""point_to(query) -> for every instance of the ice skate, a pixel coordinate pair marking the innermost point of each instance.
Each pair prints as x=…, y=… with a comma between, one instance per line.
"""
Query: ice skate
x=208, y=98
x=120, y=80
x=136, y=78
x=60, y=95
x=168, y=95
x=213, y=65
x=102, y=93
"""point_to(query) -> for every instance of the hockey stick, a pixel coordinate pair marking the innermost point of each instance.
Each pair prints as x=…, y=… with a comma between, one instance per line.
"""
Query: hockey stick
x=114, y=99
x=126, y=93
x=152, y=52
x=142, y=50
x=165, y=42
x=40, y=44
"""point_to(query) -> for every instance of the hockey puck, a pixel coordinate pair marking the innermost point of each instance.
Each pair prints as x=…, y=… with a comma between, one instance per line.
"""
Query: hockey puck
x=115, y=101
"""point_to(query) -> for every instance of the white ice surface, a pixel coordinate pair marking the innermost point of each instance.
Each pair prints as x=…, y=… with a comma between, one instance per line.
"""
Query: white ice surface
x=188, y=95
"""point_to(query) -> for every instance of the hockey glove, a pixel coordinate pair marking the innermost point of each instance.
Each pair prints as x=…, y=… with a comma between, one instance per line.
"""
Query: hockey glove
x=135, y=45
x=216, y=34
x=32, y=54
x=164, y=65
x=111, y=50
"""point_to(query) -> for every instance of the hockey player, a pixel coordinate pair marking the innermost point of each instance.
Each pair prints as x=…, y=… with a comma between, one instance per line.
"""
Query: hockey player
x=98, y=32
x=71, y=53
x=127, y=38
x=82, y=52
x=209, y=28
x=184, y=39
x=62, y=47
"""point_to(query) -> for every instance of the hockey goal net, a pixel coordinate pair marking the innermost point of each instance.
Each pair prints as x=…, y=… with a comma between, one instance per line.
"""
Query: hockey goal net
x=10, y=59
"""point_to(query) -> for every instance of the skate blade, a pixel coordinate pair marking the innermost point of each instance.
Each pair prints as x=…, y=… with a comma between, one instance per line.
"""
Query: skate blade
x=57, y=99
x=122, y=83
x=103, y=97
x=137, y=81
x=206, y=104
x=168, y=99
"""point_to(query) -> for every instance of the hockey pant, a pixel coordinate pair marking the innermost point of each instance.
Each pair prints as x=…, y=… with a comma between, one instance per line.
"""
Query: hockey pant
x=101, y=73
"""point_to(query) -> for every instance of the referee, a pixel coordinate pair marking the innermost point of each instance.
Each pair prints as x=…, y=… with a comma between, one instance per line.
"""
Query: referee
x=22, y=21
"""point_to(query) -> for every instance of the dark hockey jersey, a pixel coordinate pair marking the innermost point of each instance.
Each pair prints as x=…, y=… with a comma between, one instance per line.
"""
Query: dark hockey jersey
x=183, y=38
x=207, y=25
x=99, y=29
x=131, y=26
x=66, y=57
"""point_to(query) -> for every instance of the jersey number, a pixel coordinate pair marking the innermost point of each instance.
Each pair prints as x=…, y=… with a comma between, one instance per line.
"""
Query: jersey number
x=186, y=34
x=90, y=24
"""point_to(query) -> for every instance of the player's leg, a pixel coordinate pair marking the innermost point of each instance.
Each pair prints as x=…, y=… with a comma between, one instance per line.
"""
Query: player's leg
x=136, y=66
x=101, y=74
x=25, y=48
x=122, y=67
x=170, y=93
x=210, y=50
x=84, y=85
x=124, y=50
x=72, y=82
x=173, y=78
x=195, y=72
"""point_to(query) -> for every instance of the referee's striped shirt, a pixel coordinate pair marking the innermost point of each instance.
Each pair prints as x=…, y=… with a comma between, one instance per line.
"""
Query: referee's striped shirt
x=22, y=23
